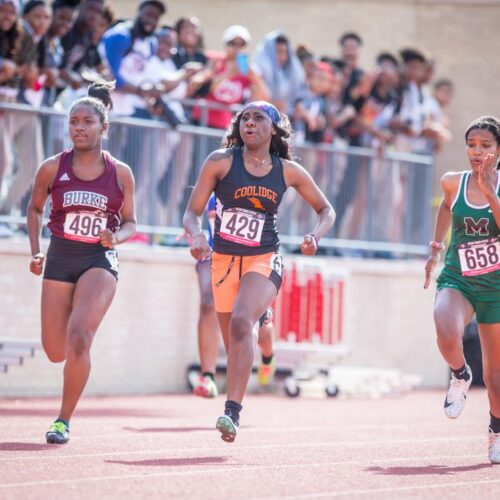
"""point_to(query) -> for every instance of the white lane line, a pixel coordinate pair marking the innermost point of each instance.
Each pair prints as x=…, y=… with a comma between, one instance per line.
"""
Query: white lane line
x=240, y=469
x=322, y=444
x=372, y=491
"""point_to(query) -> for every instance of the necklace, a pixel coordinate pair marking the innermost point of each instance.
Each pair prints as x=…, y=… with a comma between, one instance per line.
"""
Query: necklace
x=260, y=163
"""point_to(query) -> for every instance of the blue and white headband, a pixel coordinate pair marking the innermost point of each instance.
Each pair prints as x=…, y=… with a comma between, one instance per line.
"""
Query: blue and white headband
x=267, y=107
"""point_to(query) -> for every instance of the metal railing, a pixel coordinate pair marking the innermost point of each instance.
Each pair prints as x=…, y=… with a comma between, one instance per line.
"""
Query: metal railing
x=383, y=201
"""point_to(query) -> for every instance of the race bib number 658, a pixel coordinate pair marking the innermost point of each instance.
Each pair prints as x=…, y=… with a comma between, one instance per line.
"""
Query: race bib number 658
x=84, y=226
x=242, y=226
x=479, y=257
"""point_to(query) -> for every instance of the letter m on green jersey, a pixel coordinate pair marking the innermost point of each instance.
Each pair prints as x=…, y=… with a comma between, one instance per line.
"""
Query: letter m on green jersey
x=473, y=227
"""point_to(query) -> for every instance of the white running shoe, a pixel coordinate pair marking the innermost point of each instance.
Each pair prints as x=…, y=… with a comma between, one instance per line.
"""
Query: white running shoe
x=494, y=447
x=457, y=393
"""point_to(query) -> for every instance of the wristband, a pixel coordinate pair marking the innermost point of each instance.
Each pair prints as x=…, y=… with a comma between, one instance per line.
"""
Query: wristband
x=439, y=245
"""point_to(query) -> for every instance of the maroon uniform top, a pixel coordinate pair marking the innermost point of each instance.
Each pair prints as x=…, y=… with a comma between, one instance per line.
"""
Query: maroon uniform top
x=81, y=209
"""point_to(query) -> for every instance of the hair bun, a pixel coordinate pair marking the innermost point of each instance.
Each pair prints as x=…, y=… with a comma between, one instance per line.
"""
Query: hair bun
x=102, y=91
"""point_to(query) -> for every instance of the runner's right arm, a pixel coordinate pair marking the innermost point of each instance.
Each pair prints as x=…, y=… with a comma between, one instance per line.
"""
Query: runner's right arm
x=39, y=194
x=449, y=185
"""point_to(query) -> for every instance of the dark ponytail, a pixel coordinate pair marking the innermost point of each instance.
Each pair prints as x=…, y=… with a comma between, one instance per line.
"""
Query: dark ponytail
x=99, y=98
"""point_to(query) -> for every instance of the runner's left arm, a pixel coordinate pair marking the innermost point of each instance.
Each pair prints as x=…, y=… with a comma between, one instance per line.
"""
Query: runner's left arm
x=127, y=213
x=297, y=177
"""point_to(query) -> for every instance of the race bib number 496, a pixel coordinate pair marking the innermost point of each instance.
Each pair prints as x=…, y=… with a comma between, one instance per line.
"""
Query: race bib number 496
x=242, y=226
x=479, y=257
x=84, y=226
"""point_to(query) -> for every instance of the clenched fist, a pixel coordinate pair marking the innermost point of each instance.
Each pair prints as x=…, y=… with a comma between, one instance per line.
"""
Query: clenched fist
x=107, y=238
x=36, y=264
x=309, y=245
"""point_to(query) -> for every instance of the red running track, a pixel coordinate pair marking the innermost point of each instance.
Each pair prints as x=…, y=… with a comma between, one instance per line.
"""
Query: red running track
x=167, y=447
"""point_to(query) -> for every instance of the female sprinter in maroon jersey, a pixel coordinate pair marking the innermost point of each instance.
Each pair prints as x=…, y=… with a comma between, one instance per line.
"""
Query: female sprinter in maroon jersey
x=92, y=211
x=249, y=178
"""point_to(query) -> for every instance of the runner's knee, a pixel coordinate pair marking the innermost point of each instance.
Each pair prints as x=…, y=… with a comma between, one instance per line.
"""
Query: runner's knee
x=240, y=327
x=448, y=329
x=79, y=342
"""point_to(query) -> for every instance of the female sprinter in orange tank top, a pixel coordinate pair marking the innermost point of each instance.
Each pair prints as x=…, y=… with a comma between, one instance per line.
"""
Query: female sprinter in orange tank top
x=249, y=178
x=92, y=211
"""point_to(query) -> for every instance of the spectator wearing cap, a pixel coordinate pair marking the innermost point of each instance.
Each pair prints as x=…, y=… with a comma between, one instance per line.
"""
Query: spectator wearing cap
x=127, y=47
x=233, y=79
x=282, y=71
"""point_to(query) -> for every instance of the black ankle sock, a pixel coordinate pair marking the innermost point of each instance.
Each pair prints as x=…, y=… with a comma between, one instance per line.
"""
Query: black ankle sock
x=209, y=375
x=232, y=409
x=267, y=359
x=65, y=422
x=461, y=373
x=494, y=424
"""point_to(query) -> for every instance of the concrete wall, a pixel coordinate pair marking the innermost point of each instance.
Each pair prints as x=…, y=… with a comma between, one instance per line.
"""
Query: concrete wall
x=148, y=337
x=462, y=35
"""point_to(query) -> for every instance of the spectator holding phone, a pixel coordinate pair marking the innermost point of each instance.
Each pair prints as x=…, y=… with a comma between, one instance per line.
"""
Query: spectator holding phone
x=233, y=80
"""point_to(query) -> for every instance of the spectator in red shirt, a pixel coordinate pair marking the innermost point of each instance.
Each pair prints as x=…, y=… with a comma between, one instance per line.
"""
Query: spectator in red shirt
x=233, y=81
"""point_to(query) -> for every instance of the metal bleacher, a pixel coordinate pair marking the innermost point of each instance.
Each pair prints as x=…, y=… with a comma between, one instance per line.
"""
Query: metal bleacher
x=14, y=351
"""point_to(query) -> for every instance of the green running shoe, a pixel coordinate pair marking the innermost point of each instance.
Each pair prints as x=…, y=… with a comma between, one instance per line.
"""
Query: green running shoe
x=58, y=433
x=227, y=427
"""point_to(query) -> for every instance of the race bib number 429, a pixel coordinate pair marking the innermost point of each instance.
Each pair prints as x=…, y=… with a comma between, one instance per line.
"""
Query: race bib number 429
x=242, y=226
x=84, y=226
x=479, y=257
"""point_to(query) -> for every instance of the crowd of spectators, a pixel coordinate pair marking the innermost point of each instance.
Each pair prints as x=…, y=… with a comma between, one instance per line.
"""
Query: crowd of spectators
x=49, y=52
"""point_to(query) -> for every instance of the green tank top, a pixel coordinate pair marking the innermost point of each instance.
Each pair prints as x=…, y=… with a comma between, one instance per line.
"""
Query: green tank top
x=474, y=250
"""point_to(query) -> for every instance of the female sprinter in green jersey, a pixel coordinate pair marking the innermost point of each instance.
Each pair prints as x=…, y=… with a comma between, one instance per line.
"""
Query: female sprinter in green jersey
x=470, y=281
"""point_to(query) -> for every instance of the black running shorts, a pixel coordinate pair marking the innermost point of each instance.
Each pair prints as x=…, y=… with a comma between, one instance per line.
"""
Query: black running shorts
x=67, y=260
